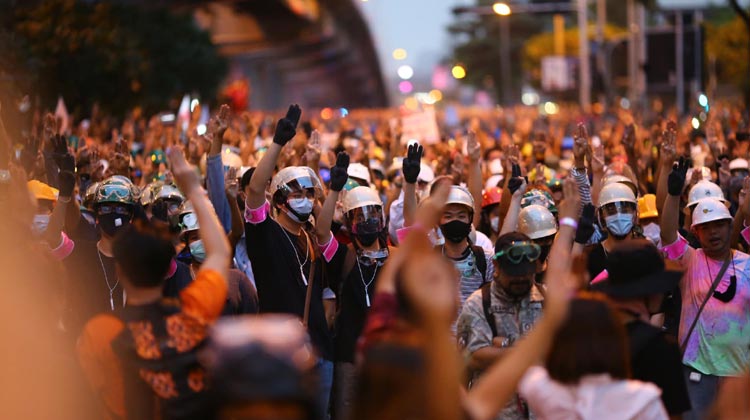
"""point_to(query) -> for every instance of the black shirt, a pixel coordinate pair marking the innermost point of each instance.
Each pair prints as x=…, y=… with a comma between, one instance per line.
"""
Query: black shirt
x=597, y=260
x=278, y=278
x=655, y=357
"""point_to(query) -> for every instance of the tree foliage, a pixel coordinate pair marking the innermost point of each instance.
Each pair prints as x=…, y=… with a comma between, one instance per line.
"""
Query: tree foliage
x=728, y=44
x=114, y=53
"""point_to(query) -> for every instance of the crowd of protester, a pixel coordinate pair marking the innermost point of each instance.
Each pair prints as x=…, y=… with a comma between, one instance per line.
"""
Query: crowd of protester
x=522, y=266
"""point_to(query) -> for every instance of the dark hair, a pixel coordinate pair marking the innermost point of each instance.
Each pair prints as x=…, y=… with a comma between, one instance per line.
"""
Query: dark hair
x=592, y=340
x=143, y=254
x=245, y=180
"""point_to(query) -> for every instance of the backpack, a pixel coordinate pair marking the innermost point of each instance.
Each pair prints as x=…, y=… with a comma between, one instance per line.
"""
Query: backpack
x=481, y=261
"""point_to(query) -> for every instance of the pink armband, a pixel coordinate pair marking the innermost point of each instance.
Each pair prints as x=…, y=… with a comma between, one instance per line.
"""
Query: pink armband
x=65, y=248
x=746, y=234
x=329, y=248
x=604, y=275
x=172, y=269
x=677, y=249
x=258, y=215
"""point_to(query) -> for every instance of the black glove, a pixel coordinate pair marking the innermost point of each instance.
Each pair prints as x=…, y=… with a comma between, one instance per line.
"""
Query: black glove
x=29, y=153
x=339, y=176
x=516, y=180
x=62, y=157
x=67, y=183
x=412, y=163
x=287, y=126
x=676, y=180
x=585, y=224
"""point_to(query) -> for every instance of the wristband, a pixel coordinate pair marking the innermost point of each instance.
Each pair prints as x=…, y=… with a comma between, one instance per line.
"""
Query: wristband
x=569, y=221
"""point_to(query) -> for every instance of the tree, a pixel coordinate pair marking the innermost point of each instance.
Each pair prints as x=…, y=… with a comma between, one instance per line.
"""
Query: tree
x=116, y=54
x=727, y=44
x=745, y=16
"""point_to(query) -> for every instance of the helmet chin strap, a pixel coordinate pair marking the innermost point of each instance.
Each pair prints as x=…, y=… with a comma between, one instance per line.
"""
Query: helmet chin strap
x=298, y=218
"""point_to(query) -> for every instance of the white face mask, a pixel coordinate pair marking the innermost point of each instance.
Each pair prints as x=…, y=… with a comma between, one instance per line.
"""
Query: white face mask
x=302, y=207
x=619, y=224
x=495, y=224
x=652, y=232
x=40, y=223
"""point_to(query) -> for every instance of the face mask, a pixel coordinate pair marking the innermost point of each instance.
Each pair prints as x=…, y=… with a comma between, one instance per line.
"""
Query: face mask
x=367, y=232
x=495, y=224
x=111, y=223
x=619, y=224
x=544, y=252
x=300, y=209
x=197, y=251
x=455, y=230
x=652, y=232
x=39, y=225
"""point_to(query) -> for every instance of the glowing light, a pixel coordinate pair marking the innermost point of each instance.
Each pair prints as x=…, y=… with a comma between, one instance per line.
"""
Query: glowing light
x=501, y=9
x=703, y=100
x=530, y=98
x=625, y=103
x=405, y=72
x=193, y=104
x=399, y=54
x=344, y=112
x=200, y=129
x=551, y=108
x=695, y=123
x=411, y=103
x=458, y=71
x=436, y=95
x=405, y=87
x=326, y=113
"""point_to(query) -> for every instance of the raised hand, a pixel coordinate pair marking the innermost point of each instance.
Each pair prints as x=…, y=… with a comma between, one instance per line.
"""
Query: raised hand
x=61, y=155
x=585, y=224
x=184, y=176
x=597, y=159
x=286, y=128
x=669, y=144
x=676, y=180
x=628, y=138
x=231, y=184
x=571, y=203
x=120, y=162
x=67, y=183
x=473, y=148
x=517, y=183
x=412, y=163
x=339, y=174
x=312, y=150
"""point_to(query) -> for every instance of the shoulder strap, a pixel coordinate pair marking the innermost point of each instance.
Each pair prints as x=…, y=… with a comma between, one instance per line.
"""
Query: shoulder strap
x=710, y=293
x=481, y=261
x=486, y=296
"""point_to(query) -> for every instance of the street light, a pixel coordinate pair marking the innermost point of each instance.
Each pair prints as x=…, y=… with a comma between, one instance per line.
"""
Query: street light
x=501, y=9
x=458, y=71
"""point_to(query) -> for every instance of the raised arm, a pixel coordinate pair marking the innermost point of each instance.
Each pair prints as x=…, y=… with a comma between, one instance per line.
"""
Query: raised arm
x=238, y=223
x=517, y=187
x=215, y=168
x=667, y=156
x=410, y=169
x=339, y=177
x=211, y=232
x=670, y=214
x=474, y=180
x=286, y=128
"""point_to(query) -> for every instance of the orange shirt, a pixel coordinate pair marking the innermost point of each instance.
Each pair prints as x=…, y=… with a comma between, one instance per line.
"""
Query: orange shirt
x=203, y=301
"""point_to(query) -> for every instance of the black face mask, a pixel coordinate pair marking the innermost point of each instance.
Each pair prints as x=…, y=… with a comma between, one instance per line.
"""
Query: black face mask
x=455, y=230
x=367, y=239
x=367, y=232
x=109, y=224
x=544, y=252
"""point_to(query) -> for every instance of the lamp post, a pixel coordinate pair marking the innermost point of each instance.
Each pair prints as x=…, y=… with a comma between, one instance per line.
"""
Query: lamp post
x=503, y=10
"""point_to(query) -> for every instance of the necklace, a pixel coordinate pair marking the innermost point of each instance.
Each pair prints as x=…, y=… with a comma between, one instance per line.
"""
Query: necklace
x=296, y=255
x=367, y=284
x=111, y=288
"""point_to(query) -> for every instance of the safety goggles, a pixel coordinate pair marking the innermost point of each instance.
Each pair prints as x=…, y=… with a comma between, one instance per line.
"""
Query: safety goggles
x=618, y=207
x=113, y=192
x=517, y=251
x=113, y=208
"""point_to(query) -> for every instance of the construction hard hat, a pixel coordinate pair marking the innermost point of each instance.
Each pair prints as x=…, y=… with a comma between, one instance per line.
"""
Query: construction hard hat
x=709, y=210
x=492, y=196
x=230, y=159
x=460, y=195
x=188, y=218
x=705, y=189
x=738, y=163
x=295, y=178
x=536, y=222
x=647, y=207
x=621, y=179
x=493, y=181
x=90, y=195
x=360, y=197
x=113, y=190
x=539, y=197
x=169, y=192
x=359, y=171
x=616, y=192
x=42, y=191
x=426, y=174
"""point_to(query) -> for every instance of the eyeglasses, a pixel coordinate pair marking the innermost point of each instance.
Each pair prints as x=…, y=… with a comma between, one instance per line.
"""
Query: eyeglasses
x=517, y=251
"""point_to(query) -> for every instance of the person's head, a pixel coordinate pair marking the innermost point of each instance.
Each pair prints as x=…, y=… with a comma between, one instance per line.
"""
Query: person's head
x=294, y=190
x=360, y=173
x=46, y=197
x=591, y=341
x=648, y=216
x=540, y=225
x=114, y=203
x=617, y=210
x=262, y=368
x=712, y=224
x=539, y=196
x=365, y=218
x=490, y=221
x=189, y=229
x=515, y=263
x=704, y=189
x=739, y=167
x=637, y=273
x=455, y=223
x=143, y=255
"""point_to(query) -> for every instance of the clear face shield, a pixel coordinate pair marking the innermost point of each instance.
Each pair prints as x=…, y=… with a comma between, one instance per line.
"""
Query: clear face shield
x=619, y=218
x=366, y=225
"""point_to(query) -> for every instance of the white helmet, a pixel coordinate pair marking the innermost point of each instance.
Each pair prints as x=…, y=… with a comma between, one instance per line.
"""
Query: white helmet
x=616, y=192
x=621, y=179
x=231, y=159
x=360, y=197
x=705, y=189
x=460, y=195
x=709, y=210
x=536, y=222
x=188, y=218
x=359, y=171
x=426, y=174
x=738, y=163
x=293, y=178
